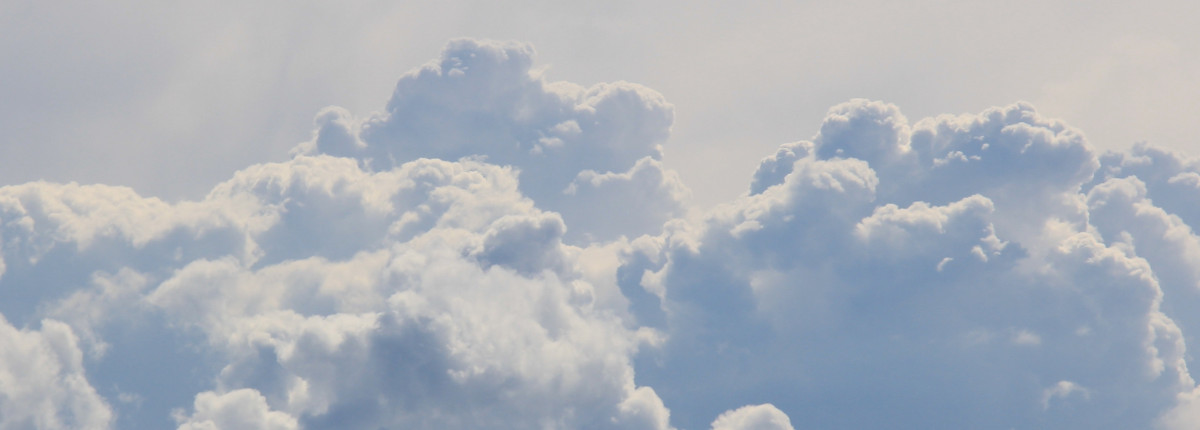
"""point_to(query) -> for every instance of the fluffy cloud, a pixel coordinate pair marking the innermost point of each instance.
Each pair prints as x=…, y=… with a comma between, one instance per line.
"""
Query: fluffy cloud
x=43, y=384
x=235, y=410
x=958, y=260
x=757, y=417
x=494, y=250
x=579, y=150
x=451, y=295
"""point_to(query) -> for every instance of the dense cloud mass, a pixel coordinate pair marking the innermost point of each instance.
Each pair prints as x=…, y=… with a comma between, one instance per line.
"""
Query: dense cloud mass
x=494, y=250
x=955, y=261
x=584, y=152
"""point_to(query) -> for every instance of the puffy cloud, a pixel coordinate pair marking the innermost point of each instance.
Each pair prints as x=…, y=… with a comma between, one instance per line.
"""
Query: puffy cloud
x=451, y=295
x=1063, y=390
x=494, y=250
x=577, y=149
x=773, y=169
x=757, y=417
x=1144, y=200
x=429, y=339
x=631, y=204
x=961, y=260
x=241, y=409
x=43, y=384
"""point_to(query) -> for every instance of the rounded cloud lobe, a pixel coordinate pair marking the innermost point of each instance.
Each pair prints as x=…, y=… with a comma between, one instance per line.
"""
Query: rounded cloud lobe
x=577, y=149
x=493, y=250
x=757, y=417
x=971, y=260
x=42, y=381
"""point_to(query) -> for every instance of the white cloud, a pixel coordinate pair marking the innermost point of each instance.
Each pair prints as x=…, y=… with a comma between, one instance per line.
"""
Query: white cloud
x=953, y=260
x=633, y=203
x=570, y=143
x=43, y=384
x=449, y=292
x=496, y=250
x=240, y=409
x=757, y=417
x=1063, y=390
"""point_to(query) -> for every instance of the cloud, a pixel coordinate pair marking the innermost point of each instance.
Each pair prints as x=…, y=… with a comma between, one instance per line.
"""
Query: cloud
x=451, y=294
x=495, y=250
x=1063, y=390
x=571, y=144
x=43, y=384
x=757, y=417
x=956, y=260
x=238, y=409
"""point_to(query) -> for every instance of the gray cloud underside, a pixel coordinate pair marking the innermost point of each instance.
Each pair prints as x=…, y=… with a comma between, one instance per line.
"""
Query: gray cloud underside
x=493, y=250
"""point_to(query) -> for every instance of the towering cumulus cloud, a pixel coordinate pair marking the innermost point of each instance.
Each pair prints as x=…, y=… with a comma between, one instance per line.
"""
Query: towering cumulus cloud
x=587, y=153
x=960, y=272
x=493, y=250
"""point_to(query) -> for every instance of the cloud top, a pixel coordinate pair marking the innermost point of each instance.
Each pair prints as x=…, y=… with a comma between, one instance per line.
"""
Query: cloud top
x=484, y=99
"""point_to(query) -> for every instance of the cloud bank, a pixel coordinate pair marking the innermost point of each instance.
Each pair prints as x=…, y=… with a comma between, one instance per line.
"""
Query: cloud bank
x=493, y=250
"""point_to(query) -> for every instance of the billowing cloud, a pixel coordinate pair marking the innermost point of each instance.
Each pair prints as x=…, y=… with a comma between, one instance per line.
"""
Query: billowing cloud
x=432, y=295
x=571, y=144
x=494, y=250
x=955, y=261
x=757, y=417
x=244, y=408
x=42, y=381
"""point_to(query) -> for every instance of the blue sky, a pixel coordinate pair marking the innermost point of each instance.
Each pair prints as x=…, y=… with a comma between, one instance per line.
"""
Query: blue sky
x=815, y=215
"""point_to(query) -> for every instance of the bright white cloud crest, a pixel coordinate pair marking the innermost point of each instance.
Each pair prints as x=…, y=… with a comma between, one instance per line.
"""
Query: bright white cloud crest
x=498, y=251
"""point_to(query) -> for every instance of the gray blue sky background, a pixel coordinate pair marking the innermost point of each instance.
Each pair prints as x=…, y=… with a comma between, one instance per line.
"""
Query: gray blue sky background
x=630, y=215
x=180, y=96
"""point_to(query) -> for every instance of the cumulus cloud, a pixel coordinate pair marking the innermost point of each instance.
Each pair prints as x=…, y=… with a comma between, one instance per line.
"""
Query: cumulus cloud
x=757, y=417
x=495, y=250
x=579, y=150
x=43, y=384
x=961, y=260
x=241, y=409
x=448, y=291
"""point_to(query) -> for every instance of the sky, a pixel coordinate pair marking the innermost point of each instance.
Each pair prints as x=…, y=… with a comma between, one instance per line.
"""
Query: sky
x=817, y=215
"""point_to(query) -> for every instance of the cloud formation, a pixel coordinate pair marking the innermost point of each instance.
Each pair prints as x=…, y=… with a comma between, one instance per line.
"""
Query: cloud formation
x=415, y=291
x=495, y=250
x=42, y=381
x=577, y=148
x=958, y=261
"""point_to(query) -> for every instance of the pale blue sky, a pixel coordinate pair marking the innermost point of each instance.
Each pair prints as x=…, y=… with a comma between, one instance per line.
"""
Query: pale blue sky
x=635, y=215
x=201, y=90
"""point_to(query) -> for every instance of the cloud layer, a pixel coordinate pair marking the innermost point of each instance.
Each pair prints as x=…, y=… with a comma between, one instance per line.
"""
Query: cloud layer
x=496, y=250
